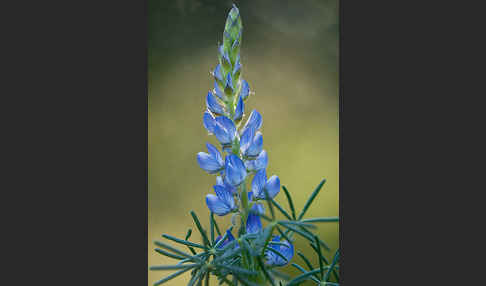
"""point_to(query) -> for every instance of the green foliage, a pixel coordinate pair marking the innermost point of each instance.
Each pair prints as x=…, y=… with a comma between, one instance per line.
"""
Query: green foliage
x=242, y=260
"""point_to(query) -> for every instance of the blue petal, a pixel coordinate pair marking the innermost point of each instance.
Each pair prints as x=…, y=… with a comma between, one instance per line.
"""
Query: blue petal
x=225, y=130
x=256, y=145
x=229, y=238
x=209, y=122
x=235, y=170
x=286, y=250
x=254, y=121
x=253, y=223
x=261, y=161
x=245, y=90
x=273, y=186
x=240, y=108
x=258, y=184
x=213, y=151
x=225, y=195
x=218, y=92
x=259, y=208
x=246, y=139
x=213, y=104
x=218, y=74
x=208, y=163
x=216, y=205
x=221, y=182
x=222, y=135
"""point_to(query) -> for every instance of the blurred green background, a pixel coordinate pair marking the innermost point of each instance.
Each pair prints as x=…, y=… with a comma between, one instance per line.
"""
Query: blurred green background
x=290, y=59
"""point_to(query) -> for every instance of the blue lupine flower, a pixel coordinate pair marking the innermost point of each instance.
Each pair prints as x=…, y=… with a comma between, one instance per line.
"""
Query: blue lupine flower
x=259, y=163
x=287, y=250
x=221, y=182
x=221, y=204
x=213, y=104
x=212, y=162
x=260, y=184
x=229, y=238
x=240, y=108
x=209, y=122
x=224, y=130
x=235, y=170
x=245, y=90
x=251, y=144
x=254, y=121
x=253, y=223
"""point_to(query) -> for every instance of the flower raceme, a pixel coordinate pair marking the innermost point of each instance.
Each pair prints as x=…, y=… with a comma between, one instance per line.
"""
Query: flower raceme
x=245, y=156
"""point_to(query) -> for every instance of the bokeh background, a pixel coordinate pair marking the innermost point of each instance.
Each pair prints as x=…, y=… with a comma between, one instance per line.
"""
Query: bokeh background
x=290, y=59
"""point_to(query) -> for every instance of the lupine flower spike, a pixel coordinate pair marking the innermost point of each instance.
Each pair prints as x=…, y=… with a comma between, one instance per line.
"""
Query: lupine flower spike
x=243, y=189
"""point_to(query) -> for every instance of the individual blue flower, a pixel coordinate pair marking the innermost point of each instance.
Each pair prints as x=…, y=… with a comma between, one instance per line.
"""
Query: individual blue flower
x=235, y=170
x=229, y=238
x=260, y=184
x=209, y=122
x=254, y=121
x=245, y=90
x=261, y=162
x=253, y=223
x=213, y=104
x=251, y=144
x=222, y=203
x=287, y=250
x=212, y=162
x=240, y=108
x=224, y=130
